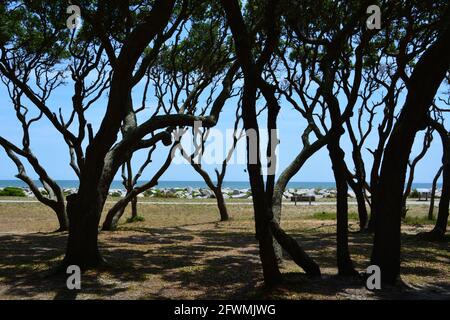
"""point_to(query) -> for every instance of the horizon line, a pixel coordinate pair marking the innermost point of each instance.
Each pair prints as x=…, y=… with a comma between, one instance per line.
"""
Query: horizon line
x=241, y=181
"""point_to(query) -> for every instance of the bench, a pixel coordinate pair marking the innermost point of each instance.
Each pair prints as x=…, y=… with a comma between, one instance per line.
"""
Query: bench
x=303, y=198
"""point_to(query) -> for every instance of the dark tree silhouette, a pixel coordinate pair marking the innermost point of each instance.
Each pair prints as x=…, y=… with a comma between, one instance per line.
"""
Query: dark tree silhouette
x=130, y=41
x=423, y=84
x=252, y=70
x=181, y=81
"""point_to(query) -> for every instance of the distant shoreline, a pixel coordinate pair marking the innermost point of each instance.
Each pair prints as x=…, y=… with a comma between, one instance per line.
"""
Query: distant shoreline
x=70, y=184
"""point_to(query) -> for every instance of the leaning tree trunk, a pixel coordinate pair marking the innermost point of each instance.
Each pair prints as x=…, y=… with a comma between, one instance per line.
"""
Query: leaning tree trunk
x=264, y=222
x=216, y=189
x=300, y=257
x=425, y=80
x=61, y=214
x=433, y=193
x=294, y=167
x=412, y=168
x=361, y=201
x=221, y=204
x=118, y=210
x=442, y=218
x=439, y=230
x=57, y=204
x=281, y=239
x=113, y=217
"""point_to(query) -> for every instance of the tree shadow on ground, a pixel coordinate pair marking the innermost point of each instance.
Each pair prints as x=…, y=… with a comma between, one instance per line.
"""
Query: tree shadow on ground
x=200, y=261
x=206, y=261
x=420, y=259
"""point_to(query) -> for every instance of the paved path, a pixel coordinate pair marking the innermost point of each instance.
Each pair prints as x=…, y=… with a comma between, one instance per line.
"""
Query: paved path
x=192, y=203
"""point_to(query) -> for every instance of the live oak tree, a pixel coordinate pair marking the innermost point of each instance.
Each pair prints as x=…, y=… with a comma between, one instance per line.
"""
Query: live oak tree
x=328, y=68
x=318, y=57
x=405, y=34
x=207, y=51
x=252, y=71
x=393, y=91
x=130, y=35
x=253, y=57
x=422, y=86
x=289, y=73
x=21, y=39
x=30, y=54
x=188, y=71
x=104, y=155
x=408, y=36
x=116, y=212
x=195, y=159
x=359, y=131
x=54, y=197
x=341, y=42
x=214, y=101
x=381, y=78
x=130, y=182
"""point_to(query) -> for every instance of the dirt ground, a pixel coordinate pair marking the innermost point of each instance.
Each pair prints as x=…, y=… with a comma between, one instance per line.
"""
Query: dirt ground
x=182, y=252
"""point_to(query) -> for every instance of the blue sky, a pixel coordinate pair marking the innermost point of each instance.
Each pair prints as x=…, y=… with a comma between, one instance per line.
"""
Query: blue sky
x=53, y=154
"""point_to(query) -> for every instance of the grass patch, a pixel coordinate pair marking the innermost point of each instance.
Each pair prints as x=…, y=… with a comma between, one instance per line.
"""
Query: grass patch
x=332, y=216
x=353, y=216
x=136, y=219
x=183, y=252
x=416, y=220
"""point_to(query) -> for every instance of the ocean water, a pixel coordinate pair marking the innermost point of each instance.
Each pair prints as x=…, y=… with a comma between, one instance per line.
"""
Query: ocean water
x=197, y=184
